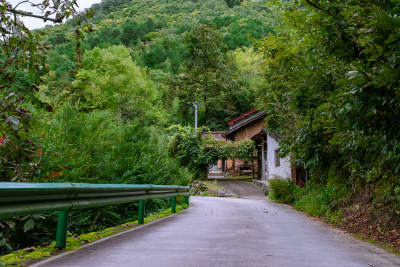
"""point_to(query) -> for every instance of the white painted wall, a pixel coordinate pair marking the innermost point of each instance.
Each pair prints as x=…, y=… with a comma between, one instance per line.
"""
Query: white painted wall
x=284, y=170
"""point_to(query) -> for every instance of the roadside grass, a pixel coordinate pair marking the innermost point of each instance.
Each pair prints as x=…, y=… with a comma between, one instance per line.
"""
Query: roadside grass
x=212, y=189
x=314, y=199
x=335, y=218
x=24, y=257
x=212, y=184
x=207, y=188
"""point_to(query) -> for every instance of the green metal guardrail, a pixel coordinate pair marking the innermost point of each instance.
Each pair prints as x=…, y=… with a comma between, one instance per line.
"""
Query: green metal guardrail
x=32, y=198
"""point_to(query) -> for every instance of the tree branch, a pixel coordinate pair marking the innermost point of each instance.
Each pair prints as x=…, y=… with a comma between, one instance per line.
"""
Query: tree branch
x=26, y=1
x=57, y=20
x=323, y=10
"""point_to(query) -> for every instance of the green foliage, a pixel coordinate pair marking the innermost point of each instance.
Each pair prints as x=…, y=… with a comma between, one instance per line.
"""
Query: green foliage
x=97, y=147
x=162, y=19
x=335, y=217
x=314, y=199
x=21, y=53
x=240, y=30
x=20, y=232
x=197, y=150
x=100, y=218
x=232, y=3
x=248, y=64
x=317, y=200
x=105, y=127
x=282, y=190
x=187, y=147
x=228, y=150
x=108, y=79
x=331, y=82
x=156, y=31
x=331, y=92
x=210, y=75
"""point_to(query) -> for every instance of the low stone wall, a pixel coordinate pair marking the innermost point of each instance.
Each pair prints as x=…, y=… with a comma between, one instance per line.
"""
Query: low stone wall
x=202, y=188
x=263, y=184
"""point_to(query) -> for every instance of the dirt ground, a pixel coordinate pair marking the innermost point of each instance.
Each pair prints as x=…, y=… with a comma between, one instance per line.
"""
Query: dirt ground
x=361, y=217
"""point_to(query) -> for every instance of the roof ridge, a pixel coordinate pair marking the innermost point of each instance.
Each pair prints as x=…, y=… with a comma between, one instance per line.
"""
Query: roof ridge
x=231, y=122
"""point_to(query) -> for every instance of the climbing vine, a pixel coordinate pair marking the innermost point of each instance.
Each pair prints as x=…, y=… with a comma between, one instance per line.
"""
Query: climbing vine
x=197, y=150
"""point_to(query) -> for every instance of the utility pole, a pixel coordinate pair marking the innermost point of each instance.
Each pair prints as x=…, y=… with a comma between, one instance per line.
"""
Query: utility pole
x=195, y=105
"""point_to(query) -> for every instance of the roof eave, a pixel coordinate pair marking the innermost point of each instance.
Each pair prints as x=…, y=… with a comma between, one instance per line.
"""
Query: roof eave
x=243, y=123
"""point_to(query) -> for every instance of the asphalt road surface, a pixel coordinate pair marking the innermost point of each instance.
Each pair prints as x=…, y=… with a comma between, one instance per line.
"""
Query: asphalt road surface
x=241, y=188
x=230, y=232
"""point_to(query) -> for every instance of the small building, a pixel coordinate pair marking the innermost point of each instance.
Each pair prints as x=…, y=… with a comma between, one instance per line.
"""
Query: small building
x=251, y=125
x=273, y=166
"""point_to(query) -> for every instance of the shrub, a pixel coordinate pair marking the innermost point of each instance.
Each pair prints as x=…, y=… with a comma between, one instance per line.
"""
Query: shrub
x=317, y=200
x=312, y=204
x=283, y=190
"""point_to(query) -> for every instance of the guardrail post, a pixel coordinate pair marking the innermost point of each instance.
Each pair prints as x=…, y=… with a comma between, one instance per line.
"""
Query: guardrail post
x=141, y=212
x=173, y=208
x=61, y=238
x=187, y=200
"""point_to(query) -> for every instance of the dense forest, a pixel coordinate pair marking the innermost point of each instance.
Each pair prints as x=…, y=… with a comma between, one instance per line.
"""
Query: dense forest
x=116, y=88
x=157, y=36
x=97, y=99
x=100, y=100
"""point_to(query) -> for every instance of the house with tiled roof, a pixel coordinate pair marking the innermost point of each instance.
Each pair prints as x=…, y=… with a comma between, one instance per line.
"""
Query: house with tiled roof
x=266, y=161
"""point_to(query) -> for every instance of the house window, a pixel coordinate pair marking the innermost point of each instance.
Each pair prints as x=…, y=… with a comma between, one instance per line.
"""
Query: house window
x=277, y=159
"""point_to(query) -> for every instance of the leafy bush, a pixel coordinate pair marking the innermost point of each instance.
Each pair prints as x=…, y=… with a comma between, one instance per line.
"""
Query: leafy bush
x=319, y=199
x=23, y=231
x=314, y=199
x=283, y=190
x=312, y=203
x=335, y=218
x=99, y=218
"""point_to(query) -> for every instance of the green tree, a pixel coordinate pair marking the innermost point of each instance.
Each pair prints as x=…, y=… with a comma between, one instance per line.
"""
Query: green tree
x=210, y=73
x=232, y=3
x=22, y=51
x=331, y=83
x=98, y=147
x=108, y=79
x=248, y=64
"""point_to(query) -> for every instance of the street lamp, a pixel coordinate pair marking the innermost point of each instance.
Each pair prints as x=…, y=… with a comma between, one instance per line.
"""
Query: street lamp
x=195, y=105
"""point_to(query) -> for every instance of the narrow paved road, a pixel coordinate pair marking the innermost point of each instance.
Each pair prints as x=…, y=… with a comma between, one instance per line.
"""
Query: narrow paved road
x=241, y=188
x=230, y=232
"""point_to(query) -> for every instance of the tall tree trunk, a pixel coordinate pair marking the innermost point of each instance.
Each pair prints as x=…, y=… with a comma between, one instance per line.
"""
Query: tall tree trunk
x=78, y=49
x=206, y=112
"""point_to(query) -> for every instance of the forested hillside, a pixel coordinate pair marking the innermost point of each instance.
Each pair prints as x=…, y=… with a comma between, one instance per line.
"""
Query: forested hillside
x=155, y=32
x=93, y=100
x=129, y=76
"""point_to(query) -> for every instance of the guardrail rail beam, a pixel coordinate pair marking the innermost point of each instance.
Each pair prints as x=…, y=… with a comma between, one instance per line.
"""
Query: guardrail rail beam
x=32, y=198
